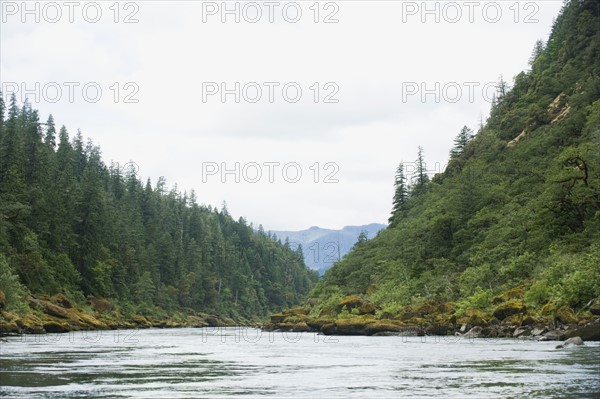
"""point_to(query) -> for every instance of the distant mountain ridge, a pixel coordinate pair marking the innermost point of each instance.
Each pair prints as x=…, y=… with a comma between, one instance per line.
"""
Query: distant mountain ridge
x=323, y=247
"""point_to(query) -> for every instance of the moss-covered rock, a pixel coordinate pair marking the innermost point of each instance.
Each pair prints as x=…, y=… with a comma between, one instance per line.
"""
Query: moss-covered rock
x=91, y=322
x=56, y=327
x=352, y=326
x=379, y=326
x=61, y=300
x=295, y=327
x=9, y=327
x=350, y=302
x=438, y=329
x=548, y=309
x=279, y=317
x=48, y=308
x=141, y=321
x=406, y=314
x=367, y=308
x=511, y=295
x=317, y=324
x=101, y=305
x=329, y=329
x=508, y=309
x=30, y=323
x=475, y=317
x=565, y=315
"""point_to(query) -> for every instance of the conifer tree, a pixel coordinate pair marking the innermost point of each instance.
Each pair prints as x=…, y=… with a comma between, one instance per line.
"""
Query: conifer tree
x=400, y=195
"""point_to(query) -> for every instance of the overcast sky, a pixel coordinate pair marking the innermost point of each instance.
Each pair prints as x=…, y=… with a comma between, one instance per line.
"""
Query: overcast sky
x=161, y=67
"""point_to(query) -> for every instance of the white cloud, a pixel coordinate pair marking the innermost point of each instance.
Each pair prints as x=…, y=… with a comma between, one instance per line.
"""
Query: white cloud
x=369, y=54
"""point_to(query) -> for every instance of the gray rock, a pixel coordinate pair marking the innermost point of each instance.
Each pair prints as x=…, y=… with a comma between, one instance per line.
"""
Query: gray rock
x=574, y=341
x=588, y=332
x=474, y=332
x=520, y=331
x=538, y=331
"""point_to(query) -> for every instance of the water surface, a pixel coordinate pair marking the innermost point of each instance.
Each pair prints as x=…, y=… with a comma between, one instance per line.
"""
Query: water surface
x=211, y=362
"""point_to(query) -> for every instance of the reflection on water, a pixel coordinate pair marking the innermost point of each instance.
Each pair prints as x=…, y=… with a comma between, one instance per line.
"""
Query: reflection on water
x=232, y=361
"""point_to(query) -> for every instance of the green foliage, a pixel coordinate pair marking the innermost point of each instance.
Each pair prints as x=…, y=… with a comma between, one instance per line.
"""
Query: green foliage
x=12, y=288
x=399, y=204
x=71, y=224
x=327, y=306
x=506, y=212
x=480, y=299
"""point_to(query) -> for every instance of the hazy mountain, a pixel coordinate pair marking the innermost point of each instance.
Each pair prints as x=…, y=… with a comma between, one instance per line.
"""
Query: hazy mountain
x=323, y=247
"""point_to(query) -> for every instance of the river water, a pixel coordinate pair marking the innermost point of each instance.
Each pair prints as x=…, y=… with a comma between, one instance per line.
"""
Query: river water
x=222, y=362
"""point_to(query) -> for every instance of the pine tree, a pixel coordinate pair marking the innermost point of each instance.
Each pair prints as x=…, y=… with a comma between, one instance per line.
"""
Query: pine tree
x=400, y=195
x=421, y=178
x=538, y=49
x=461, y=141
x=501, y=89
x=50, y=138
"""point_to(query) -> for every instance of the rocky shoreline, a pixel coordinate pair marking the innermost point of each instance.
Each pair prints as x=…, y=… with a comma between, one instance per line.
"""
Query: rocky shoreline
x=353, y=316
x=510, y=318
x=57, y=314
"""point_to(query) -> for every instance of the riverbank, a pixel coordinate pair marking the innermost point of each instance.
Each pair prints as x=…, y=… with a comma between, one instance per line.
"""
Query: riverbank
x=510, y=318
x=58, y=314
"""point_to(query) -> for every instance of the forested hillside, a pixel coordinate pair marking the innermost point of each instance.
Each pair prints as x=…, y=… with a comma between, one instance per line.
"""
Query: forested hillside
x=514, y=220
x=71, y=224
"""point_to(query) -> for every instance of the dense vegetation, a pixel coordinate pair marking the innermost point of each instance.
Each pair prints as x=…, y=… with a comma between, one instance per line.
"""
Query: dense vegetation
x=518, y=205
x=71, y=224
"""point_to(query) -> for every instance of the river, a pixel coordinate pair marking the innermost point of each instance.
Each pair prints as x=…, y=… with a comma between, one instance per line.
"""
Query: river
x=222, y=362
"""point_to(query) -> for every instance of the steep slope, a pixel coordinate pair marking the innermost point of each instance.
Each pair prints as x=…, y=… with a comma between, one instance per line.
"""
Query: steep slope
x=323, y=247
x=71, y=225
x=512, y=227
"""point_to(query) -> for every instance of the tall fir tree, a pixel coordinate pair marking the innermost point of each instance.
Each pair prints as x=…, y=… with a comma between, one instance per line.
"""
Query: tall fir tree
x=460, y=142
x=421, y=178
x=50, y=137
x=400, y=195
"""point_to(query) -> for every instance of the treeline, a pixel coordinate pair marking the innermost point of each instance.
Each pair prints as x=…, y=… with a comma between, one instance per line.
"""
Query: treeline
x=70, y=223
x=518, y=204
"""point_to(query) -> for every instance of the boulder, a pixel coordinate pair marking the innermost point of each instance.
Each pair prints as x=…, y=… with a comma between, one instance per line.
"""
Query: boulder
x=565, y=315
x=528, y=321
x=515, y=293
x=278, y=317
x=329, y=329
x=574, y=341
x=8, y=328
x=437, y=329
x=380, y=326
x=536, y=332
x=476, y=317
x=350, y=302
x=474, y=332
x=61, y=300
x=589, y=331
x=49, y=308
x=317, y=324
x=91, y=322
x=351, y=326
x=141, y=321
x=101, y=305
x=56, y=327
x=367, y=308
x=508, y=309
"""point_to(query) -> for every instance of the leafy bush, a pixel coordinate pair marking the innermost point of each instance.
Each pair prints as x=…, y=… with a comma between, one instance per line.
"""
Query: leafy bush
x=481, y=299
x=12, y=288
